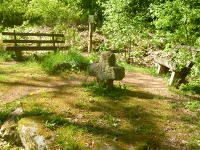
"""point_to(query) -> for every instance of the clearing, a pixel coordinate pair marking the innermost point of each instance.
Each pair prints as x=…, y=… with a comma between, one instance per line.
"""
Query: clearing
x=140, y=113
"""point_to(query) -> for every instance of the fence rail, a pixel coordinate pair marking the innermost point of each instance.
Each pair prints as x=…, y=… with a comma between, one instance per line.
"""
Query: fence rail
x=32, y=41
x=17, y=47
x=32, y=34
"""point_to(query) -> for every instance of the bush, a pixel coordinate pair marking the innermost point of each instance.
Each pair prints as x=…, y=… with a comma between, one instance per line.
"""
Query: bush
x=12, y=12
x=58, y=62
x=52, y=12
x=192, y=87
x=5, y=56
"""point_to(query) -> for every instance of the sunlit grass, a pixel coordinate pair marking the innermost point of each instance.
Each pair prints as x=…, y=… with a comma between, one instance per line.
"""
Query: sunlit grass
x=87, y=116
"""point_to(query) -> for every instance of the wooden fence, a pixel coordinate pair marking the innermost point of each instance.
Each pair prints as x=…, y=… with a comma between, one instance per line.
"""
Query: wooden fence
x=17, y=41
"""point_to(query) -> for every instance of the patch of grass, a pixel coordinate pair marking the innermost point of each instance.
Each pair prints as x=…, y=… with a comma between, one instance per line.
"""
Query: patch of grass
x=116, y=93
x=31, y=64
x=68, y=138
x=183, y=93
x=191, y=87
x=6, y=109
x=59, y=62
x=3, y=78
x=82, y=105
x=131, y=67
x=194, y=120
x=5, y=56
x=193, y=105
x=194, y=142
x=111, y=121
x=54, y=121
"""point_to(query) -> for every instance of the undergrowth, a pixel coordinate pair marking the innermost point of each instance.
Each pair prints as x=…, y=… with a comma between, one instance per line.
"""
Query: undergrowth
x=117, y=92
x=5, y=56
x=58, y=62
x=131, y=67
x=192, y=87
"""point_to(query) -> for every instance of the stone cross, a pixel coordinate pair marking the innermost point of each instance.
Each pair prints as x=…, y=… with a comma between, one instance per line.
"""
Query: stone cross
x=106, y=70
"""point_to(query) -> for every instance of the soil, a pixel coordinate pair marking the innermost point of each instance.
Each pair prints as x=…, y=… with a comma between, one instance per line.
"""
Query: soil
x=151, y=84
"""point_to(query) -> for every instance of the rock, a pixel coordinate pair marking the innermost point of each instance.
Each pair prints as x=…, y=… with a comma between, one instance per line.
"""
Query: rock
x=8, y=130
x=106, y=70
x=33, y=135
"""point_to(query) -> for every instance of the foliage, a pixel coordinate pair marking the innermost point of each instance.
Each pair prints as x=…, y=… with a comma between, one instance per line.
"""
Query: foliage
x=58, y=62
x=178, y=20
x=11, y=12
x=126, y=21
x=51, y=12
x=5, y=56
x=192, y=87
x=131, y=67
x=193, y=105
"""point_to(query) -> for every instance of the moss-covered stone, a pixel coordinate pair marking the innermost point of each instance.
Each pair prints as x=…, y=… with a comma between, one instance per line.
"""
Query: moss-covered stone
x=34, y=136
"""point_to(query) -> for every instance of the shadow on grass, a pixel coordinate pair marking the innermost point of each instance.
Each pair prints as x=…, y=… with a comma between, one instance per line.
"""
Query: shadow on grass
x=118, y=92
x=145, y=132
x=141, y=126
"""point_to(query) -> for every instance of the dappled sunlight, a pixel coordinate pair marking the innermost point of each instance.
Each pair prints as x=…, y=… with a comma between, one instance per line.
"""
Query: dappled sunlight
x=90, y=116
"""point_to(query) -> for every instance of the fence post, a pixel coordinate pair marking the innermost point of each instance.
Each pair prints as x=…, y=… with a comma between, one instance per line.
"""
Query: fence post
x=54, y=44
x=91, y=21
x=17, y=53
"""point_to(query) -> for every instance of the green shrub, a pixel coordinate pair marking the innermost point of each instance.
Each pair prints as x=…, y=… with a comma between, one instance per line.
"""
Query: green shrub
x=192, y=87
x=59, y=62
x=193, y=105
x=5, y=56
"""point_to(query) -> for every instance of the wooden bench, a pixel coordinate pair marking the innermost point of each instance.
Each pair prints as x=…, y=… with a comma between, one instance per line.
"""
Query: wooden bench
x=177, y=77
x=22, y=42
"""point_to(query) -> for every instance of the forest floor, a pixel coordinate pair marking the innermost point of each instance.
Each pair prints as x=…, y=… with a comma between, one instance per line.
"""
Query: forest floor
x=141, y=113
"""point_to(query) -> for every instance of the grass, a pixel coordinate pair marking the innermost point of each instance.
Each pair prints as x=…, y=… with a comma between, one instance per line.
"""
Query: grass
x=74, y=133
x=86, y=116
x=131, y=67
x=58, y=62
x=194, y=142
x=5, y=56
x=191, y=87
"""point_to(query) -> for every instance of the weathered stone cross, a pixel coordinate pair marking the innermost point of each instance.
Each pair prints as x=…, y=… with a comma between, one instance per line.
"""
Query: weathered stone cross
x=106, y=70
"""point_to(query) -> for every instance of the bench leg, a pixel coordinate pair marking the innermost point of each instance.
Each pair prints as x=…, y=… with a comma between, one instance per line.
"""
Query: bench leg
x=18, y=55
x=162, y=69
x=179, y=77
x=175, y=79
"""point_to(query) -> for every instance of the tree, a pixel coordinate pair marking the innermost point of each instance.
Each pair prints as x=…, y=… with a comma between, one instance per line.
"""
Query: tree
x=12, y=12
x=178, y=20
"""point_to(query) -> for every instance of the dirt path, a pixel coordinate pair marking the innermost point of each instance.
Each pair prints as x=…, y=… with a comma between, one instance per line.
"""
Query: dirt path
x=153, y=85
x=143, y=81
x=24, y=84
